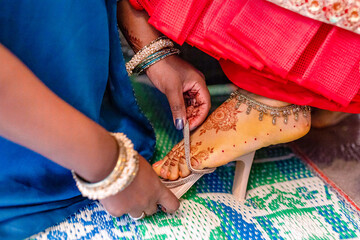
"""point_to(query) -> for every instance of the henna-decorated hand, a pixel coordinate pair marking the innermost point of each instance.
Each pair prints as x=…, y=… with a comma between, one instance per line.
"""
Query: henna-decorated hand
x=185, y=89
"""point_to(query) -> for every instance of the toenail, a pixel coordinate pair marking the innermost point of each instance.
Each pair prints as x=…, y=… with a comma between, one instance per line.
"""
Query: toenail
x=245, y=141
x=267, y=134
x=162, y=171
x=222, y=150
x=255, y=139
x=294, y=126
x=156, y=164
x=280, y=129
x=233, y=145
x=168, y=174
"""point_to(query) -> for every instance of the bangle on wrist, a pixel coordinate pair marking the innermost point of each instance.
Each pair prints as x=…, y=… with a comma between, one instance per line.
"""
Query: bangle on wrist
x=153, y=47
x=121, y=176
x=154, y=58
x=155, y=51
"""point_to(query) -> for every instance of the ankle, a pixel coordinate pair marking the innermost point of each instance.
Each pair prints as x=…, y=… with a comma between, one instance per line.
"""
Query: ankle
x=265, y=100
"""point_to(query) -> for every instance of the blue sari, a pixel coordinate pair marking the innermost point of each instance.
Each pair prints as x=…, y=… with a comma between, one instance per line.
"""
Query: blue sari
x=74, y=48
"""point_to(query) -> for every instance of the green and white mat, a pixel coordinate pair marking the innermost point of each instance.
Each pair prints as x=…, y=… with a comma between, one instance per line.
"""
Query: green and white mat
x=287, y=198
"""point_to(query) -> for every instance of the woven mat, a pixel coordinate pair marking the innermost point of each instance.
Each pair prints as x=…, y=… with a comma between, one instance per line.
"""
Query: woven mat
x=287, y=198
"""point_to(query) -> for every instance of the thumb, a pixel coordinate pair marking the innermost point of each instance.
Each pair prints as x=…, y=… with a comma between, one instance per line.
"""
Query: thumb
x=177, y=106
x=168, y=201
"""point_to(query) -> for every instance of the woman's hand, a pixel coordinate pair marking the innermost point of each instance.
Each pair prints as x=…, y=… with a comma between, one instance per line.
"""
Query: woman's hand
x=177, y=79
x=142, y=195
x=185, y=89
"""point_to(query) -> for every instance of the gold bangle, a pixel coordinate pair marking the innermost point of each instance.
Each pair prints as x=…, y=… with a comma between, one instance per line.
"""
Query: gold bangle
x=147, y=51
x=122, y=175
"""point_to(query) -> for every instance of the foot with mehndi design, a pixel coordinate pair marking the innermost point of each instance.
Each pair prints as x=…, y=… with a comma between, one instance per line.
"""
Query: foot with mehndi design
x=244, y=123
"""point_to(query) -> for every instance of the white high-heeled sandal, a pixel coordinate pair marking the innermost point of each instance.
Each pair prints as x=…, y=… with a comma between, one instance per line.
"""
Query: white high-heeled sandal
x=241, y=177
x=242, y=171
x=243, y=163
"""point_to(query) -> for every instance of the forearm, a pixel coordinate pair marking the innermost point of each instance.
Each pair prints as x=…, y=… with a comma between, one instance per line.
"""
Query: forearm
x=34, y=117
x=134, y=25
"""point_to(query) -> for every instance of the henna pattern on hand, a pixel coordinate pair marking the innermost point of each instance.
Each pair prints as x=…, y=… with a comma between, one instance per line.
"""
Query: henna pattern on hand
x=192, y=104
x=223, y=119
x=190, y=98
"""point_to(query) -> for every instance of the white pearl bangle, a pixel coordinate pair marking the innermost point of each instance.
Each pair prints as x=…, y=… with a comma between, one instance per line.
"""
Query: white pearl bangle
x=122, y=175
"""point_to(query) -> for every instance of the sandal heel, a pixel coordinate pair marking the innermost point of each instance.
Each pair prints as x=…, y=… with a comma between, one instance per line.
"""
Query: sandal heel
x=241, y=177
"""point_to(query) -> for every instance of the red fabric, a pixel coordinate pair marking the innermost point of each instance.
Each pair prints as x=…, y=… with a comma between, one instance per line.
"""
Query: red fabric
x=268, y=50
x=136, y=5
x=285, y=91
x=266, y=39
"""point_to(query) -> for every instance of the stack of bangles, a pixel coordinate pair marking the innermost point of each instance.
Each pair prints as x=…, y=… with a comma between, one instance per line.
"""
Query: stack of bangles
x=121, y=176
x=157, y=50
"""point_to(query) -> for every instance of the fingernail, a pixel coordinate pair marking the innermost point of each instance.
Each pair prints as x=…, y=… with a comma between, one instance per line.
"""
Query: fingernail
x=179, y=124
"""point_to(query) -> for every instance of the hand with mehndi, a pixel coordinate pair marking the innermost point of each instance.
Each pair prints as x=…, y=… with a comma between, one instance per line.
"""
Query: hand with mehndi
x=185, y=89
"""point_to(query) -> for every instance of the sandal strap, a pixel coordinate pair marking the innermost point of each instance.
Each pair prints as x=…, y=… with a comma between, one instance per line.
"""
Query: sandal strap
x=186, y=133
x=194, y=172
x=181, y=181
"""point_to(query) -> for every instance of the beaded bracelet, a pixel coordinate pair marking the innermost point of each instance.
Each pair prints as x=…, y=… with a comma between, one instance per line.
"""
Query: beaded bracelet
x=122, y=175
x=154, y=58
x=146, y=51
x=151, y=57
x=156, y=55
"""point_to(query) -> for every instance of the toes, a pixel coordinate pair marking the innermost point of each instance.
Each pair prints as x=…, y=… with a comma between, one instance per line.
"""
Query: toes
x=173, y=165
x=158, y=166
x=164, y=170
x=184, y=171
x=173, y=173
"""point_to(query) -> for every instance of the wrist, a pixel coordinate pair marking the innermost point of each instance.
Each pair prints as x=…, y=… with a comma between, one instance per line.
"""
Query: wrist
x=158, y=67
x=164, y=72
x=121, y=176
x=99, y=168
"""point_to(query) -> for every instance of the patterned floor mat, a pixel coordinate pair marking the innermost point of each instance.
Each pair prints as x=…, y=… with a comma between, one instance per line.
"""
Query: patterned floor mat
x=287, y=198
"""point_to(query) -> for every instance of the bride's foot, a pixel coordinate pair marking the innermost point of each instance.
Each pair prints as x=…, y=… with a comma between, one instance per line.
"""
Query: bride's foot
x=235, y=129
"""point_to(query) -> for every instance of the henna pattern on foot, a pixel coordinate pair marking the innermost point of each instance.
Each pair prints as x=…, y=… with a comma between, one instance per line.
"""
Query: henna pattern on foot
x=223, y=119
x=214, y=148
